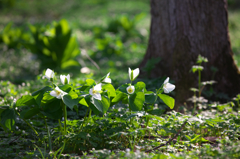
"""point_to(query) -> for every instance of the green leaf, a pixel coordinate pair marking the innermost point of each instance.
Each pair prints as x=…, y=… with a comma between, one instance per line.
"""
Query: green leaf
x=69, y=63
x=169, y=101
x=87, y=84
x=150, y=98
x=140, y=86
x=38, y=95
x=8, y=118
x=123, y=88
x=27, y=114
x=26, y=100
x=53, y=109
x=69, y=101
x=110, y=89
x=119, y=96
x=83, y=102
x=136, y=101
x=66, y=88
x=100, y=106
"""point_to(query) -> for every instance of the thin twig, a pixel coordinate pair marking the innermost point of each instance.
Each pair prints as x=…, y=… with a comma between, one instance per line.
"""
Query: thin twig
x=84, y=53
x=170, y=140
x=14, y=139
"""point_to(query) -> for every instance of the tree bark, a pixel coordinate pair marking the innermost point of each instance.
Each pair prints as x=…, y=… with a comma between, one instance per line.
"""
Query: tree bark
x=180, y=31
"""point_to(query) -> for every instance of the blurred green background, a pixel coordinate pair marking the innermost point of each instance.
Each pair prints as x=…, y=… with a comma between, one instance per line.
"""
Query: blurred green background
x=84, y=37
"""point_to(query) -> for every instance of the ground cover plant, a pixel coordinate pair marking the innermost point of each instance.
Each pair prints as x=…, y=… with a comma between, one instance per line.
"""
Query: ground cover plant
x=91, y=104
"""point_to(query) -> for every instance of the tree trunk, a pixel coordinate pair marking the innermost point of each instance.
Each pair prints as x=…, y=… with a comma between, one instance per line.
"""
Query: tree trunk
x=180, y=31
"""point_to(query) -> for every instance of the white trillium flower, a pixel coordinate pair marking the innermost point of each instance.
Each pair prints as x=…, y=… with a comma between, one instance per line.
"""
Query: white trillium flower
x=133, y=73
x=130, y=89
x=168, y=87
x=107, y=79
x=49, y=74
x=65, y=79
x=58, y=93
x=95, y=91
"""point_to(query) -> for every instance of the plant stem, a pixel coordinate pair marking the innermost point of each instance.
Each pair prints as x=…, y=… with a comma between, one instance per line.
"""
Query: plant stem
x=28, y=124
x=65, y=119
x=194, y=104
x=49, y=135
x=199, y=83
x=90, y=112
x=64, y=108
x=84, y=119
x=60, y=126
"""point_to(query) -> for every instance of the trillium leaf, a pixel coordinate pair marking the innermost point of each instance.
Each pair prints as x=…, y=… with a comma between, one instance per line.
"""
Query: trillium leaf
x=123, y=88
x=100, y=106
x=83, y=102
x=150, y=98
x=26, y=100
x=169, y=101
x=69, y=101
x=136, y=101
x=53, y=109
x=38, y=95
x=140, y=86
x=66, y=88
x=27, y=114
x=119, y=96
x=110, y=89
x=8, y=118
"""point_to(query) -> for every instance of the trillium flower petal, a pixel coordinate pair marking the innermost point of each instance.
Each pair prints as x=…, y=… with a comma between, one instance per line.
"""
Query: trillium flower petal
x=49, y=74
x=107, y=79
x=97, y=96
x=65, y=79
x=54, y=94
x=168, y=87
x=58, y=93
x=130, y=89
x=166, y=81
x=91, y=91
x=98, y=87
x=135, y=73
x=130, y=73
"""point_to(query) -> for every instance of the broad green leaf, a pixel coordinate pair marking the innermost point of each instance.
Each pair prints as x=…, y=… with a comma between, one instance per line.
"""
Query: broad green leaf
x=2, y=108
x=53, y=109
x=83, y=102
x=26, y=100
x=100, y=106
x=27, y=114
x=8, y=118
x=136, y=101
x=140, y=86
x=150, y=98
x=73, y=94
x=169, y=101
x=69, y=63
x=123, y=88
x=90, y=82
x=66, y=88
x=69, y=101
x=119, y=96
x=110, y=89
x=38, y=95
